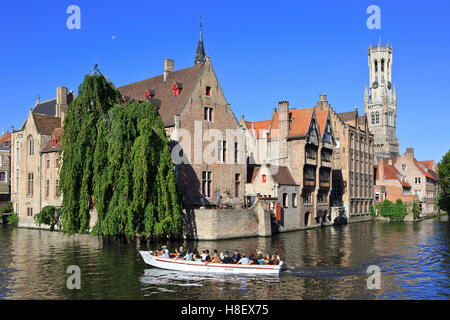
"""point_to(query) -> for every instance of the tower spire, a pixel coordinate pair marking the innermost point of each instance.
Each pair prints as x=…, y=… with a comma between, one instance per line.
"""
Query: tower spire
x=200, y=56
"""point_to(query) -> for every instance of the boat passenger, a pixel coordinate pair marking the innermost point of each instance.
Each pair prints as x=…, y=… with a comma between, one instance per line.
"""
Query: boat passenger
x=236, y=257
x=180, y=253
x=267, y=259
x=207, y=258
x=227, y=258
x=252, y=258
x=189, y=255
x=275, y=260
x=261, y=258
x=243, y=260
x=216, y=257
x=164, y=253
x=204, y=255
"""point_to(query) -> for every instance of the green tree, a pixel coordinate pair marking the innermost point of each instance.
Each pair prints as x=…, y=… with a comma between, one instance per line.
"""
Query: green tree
x=49, y=215
x=444, y=182
x=116, y=158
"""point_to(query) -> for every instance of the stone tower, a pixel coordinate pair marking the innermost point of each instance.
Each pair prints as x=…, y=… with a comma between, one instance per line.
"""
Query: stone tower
x=380, y=102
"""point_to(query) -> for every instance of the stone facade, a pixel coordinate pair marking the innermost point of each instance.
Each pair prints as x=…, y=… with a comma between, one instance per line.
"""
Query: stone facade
x=423, y=181
x=352, y=163
x=31, y=169
x=5, y=170
x=380, y=102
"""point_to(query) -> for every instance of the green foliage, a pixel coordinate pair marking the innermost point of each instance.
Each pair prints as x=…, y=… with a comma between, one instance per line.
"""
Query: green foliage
x=49, y=215
x=444, y=182
x=373, y=212
x=415, y=210
x=13, y=219
x=395, y=212
x=116, y=156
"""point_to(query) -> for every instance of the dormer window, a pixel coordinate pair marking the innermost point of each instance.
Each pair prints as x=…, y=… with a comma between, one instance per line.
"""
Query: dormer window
x=54, y=141
x=208, y=91
x=176, y=88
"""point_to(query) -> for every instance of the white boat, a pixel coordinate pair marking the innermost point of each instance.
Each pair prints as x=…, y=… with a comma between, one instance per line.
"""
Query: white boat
x=194, y=266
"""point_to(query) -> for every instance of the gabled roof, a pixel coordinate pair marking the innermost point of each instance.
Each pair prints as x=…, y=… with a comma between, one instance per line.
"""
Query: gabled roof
x=258, y=127
x=170, y=105
x=49, y=147
x=46, y=124
x=299, y=125
x=48, y=107
x=419, y=166
x=5, y=141
x=347, y=116
x=321, y=116
x=391, y=173
x=282, y=175
x=428, y=163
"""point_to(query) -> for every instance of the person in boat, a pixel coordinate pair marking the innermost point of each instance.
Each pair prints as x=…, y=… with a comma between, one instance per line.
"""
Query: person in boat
x=226, y=257
x=164, y=253
x=203, y=256
x=252, y=258
x=208, y=257
x=180, y=253
x=236, y=256
x=260, y=258
x=216, y=257
x=243, y=260
x=267, y=259
x=189, y=255
x=275, y=260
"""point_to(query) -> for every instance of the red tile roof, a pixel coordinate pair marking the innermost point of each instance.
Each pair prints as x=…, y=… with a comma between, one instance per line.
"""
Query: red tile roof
x=391, y=173
x=321, y=116
x=170, y=105
x=299, y=125
x=46, y=124
x=282, y=175
x=428, y=163
x=48, y=147
x=5, y=140
x=258, y=127
x=419, y=166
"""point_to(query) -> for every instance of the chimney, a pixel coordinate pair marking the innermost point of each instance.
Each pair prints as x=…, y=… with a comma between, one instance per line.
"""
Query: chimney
x=323, y=97
x=380, y=171
x=168, y=68
x=283, y=127
x=61, y=103
x=410, y=152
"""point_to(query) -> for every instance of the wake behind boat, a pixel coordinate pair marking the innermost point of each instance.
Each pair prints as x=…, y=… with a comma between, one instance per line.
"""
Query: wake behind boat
x=208, y=267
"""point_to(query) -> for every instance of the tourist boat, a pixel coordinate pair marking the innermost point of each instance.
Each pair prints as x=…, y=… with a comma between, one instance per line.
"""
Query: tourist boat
x=194, y=266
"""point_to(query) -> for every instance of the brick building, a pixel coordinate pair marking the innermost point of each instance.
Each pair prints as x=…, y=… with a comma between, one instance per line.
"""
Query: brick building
x=423, y=180
x=301, y=140
x=5, y=170
x=33, y=171
x=207, y=140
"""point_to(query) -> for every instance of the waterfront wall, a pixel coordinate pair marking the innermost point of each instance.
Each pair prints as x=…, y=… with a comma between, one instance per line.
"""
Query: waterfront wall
x=213, y=224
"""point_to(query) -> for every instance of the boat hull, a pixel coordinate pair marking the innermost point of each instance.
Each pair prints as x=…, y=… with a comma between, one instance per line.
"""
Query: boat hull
x=193, y=266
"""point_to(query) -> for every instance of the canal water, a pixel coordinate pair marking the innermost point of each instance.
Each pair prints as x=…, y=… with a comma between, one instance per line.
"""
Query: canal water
x=324, y=263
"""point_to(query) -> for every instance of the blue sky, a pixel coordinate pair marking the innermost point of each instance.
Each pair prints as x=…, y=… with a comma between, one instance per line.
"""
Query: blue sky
x=262, y=52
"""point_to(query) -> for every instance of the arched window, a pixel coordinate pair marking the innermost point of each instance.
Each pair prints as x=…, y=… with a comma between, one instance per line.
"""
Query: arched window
x=372, y=117
x=382, y=65
x=30, y=146
x=376, y=66
x=377, y=117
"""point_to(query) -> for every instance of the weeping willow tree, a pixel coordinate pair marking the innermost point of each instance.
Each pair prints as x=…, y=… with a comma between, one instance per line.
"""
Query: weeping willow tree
x=116, y=158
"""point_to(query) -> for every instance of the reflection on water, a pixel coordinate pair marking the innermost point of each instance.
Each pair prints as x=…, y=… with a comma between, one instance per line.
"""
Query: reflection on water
x=326, y=263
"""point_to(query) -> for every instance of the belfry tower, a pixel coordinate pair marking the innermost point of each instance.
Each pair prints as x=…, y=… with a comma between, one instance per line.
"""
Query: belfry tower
x=380, y=102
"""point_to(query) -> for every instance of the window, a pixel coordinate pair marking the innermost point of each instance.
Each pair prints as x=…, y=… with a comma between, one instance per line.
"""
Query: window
x=222, y=151
x=294, y=200
x=377, y=117
x=417, y=180
x=208, y=113
x=57, y=194
x=309, y=173
x=47, y=189
x=2, y=176
x=376, y=66
x=206, y=183
x=285, y=200
x=326, y=156
x=264, y=178
x=56, y=163
x=236, y=152
x=307, y=198
x=1, y=161
x=30, y=184
x=48, y=163
x=237, y=183
x=208, y=91
x=337, y=142
x=311, y=153
x=403, y=167
x=324, y=176
x=29, y=212
x=377, y=196
x=30, y=146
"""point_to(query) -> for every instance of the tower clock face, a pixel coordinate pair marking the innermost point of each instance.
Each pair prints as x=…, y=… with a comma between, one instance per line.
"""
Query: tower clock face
x=389, y=85
x=375, y=85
